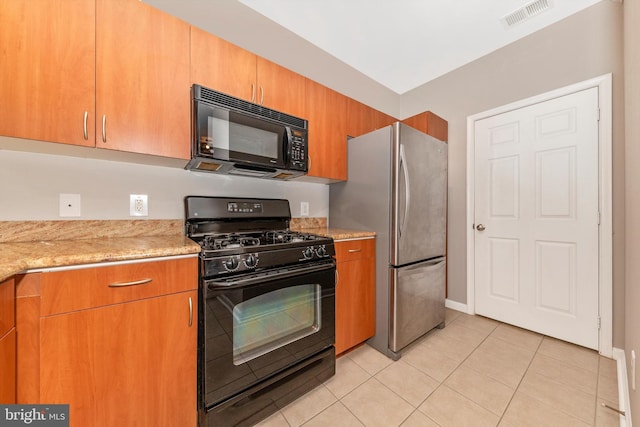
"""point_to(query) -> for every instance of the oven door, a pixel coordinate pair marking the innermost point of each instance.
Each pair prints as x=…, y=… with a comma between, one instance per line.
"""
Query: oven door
x=258, y=325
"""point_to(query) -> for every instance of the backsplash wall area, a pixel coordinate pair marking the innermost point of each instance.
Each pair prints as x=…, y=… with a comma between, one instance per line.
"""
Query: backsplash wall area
x=31, y=183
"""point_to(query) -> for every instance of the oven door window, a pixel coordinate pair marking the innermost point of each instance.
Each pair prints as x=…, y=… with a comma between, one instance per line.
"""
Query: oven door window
x=270, y=321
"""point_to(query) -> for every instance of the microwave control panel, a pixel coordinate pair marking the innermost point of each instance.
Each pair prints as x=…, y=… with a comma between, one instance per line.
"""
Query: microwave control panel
x=298, y=149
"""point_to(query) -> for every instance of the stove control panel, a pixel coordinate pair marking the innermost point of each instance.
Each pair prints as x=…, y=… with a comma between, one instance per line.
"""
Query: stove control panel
x=244, y=207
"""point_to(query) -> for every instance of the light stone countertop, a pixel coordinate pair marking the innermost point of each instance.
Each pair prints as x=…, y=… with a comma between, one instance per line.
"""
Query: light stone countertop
x=85, y=242
x=18, y=257
x=340, y=233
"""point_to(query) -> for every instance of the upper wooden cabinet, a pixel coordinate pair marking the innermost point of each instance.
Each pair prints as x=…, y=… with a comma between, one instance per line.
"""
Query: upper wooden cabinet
x=142, y=76
x=68, y=66
x=326, y=112
x=430, y=124
x=47, y=64
x=225, y=67
x=363, y=119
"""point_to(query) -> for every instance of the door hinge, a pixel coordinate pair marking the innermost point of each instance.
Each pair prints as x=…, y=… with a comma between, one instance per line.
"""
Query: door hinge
x=598, y=114
x=598, y=217
x=599, y=322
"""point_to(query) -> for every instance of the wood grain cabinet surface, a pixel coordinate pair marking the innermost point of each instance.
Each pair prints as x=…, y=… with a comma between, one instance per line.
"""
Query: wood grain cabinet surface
x=47, y=64
x=98, y=73
x=227, y=68
x=355, y=292
x=142, y=80
x=363, y=119
x=430, y=124
x=326, y=112
x=117, y=343
x=7, y=342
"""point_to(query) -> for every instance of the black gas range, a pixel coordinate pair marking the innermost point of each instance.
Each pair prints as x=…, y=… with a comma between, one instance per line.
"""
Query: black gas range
x=266, y=308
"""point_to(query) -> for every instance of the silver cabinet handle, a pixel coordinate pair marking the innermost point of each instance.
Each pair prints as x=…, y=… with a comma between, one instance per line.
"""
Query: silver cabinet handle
x=190, y=312
x=86, y=117
x=104, y=128
x=354, y=250
x=137, y=282
x=337, y=277
x=261, y=95
x=480, y=227
x=253, y=92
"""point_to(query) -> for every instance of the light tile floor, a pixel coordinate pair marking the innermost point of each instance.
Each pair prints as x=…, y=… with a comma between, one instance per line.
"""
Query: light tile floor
x=474, y=372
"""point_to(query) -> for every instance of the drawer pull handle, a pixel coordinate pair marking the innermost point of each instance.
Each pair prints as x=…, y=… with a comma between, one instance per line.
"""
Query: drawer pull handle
x=354, y=250
x=190, y=312
x=137, y=282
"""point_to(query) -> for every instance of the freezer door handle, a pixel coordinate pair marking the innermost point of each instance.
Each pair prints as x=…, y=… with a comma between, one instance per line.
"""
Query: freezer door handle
x=407, y=193
x=432, y=263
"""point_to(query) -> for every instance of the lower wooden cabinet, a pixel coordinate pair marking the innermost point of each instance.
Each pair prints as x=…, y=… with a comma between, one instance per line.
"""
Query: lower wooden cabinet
x=355, y=292
x=7, y=342
x=116, y=363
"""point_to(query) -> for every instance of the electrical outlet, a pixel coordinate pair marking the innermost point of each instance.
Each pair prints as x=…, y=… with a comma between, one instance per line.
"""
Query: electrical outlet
x=304, y=208
x=69, y=205
x=138, y=205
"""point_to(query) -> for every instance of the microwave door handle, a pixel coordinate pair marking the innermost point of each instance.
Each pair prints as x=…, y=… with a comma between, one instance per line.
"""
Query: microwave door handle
x=286, y=138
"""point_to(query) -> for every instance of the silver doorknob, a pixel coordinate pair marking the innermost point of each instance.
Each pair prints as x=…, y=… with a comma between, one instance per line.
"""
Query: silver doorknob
x=480, y=227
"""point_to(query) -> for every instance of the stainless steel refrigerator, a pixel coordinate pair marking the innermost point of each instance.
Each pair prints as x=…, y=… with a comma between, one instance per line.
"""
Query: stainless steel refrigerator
x=397, y=187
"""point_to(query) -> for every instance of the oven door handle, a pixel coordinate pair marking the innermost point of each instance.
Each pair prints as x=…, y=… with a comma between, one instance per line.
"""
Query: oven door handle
x=261, y=277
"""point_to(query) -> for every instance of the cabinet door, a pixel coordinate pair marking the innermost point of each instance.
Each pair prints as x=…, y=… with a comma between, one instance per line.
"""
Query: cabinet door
x=363, y=119
x=381, y=119
x=142, y=78
x=8, y=367
x=7, y=342
x=280, y=89
x=47, y=64
x=355, y=293
x=326, y=111
x=430, y=124
x=359, y=118
x=125, y=364
x=222, y=66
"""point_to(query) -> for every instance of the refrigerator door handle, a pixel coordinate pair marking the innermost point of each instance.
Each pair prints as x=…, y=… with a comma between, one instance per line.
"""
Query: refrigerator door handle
x=407, y=198
x=426, y=264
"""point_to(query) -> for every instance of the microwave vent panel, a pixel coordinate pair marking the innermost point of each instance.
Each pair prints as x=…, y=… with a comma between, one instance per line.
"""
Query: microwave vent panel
x=233, y=103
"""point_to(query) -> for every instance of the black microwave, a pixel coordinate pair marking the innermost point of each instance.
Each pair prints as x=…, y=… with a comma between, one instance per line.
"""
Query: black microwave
x=234, y=136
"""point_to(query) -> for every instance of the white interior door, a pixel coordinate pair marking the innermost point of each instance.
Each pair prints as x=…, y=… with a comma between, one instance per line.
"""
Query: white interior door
x=536, y=217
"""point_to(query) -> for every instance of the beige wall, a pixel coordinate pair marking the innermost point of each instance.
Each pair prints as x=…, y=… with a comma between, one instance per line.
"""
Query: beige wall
x=632, y=193
x=578, y=48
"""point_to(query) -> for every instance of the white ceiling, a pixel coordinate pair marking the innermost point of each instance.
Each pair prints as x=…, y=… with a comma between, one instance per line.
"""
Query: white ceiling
x=400, y=44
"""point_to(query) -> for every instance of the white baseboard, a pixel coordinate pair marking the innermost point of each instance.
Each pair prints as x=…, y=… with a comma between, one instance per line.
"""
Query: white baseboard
x=623, y=387
x=458, y=306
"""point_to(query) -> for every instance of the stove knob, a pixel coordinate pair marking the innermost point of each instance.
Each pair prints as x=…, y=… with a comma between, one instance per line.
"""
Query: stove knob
x=307, y=253
x=321, y=251
x=251, y=261
x=231, y=264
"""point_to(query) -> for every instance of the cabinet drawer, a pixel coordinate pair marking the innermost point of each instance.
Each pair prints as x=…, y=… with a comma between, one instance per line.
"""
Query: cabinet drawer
x=70, y=290
x=7, y=306
x=350, y=250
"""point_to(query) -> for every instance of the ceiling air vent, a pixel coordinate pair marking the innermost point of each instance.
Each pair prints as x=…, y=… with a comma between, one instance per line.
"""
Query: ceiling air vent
x=528, y=11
